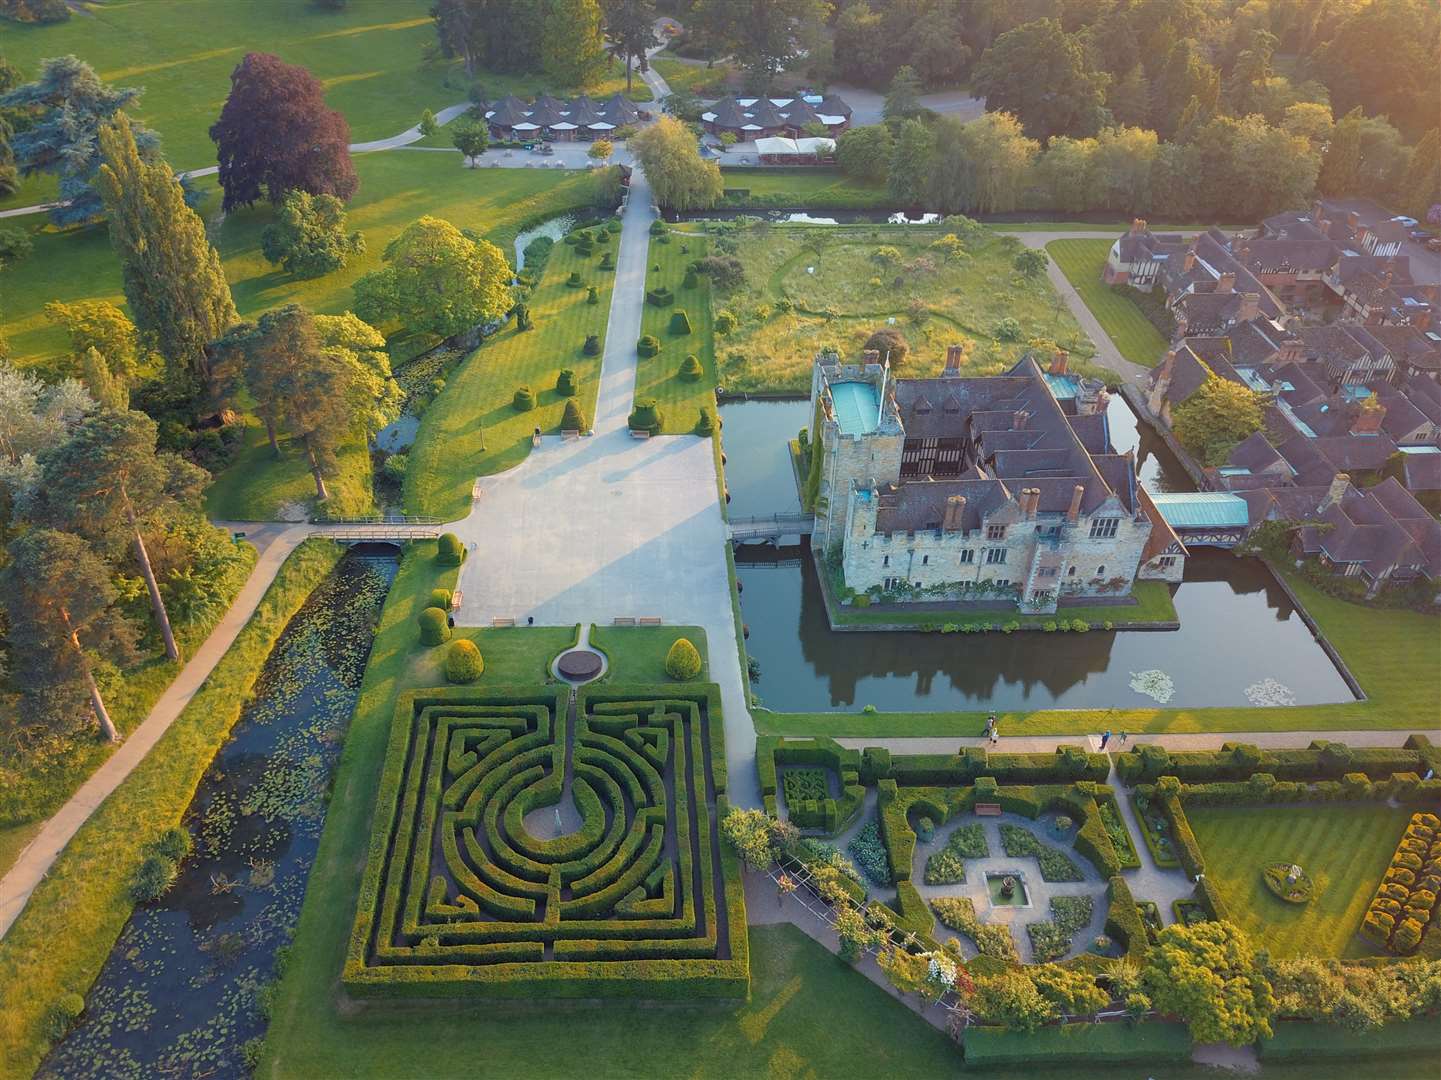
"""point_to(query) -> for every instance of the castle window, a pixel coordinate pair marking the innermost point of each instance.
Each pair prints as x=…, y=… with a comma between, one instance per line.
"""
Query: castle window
x=1104, y=528
x=1071, y=572
x=886, y=561
x=995, y=532
x=1166, y=561
x=925, y=560
x=1049, y=571
x=1002, y=582
x=1100, y=570
x=995, y=556
x=968, y=555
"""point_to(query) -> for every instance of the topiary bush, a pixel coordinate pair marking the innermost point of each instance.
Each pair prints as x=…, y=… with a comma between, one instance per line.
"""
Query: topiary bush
x=524, y=399
x=592, y=345
x=661, y=297
x=573, y=419
x=574, y=280
x=449, y=551
x=645, y=416
x=463, y=662
x=679, y=322
x=683, y=661
x=63, y=1015
x=434, y=626
x=154, y=878
x=592, y=295
x=522, y=317
x=690, y=368
x=607, y=261
x=692, y=279
x=440, y=598
x=706, y=424
x=648, y=345
x=565, y=384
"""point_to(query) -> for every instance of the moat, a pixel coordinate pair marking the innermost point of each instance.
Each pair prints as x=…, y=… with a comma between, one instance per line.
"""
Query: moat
x=1241, y=641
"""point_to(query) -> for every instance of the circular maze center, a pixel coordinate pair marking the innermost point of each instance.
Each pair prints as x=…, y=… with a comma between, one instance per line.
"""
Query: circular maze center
x=579, y=665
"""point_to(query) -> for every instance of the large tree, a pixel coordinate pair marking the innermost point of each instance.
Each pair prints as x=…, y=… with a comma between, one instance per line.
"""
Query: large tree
x=276, y=133
x=376, y=398
x=863, y=54
x=912, y=156
x=100, y=325
x=308, y=236
x=630, y=26
x=107, y=482
x=1379, y=59
x=981, y=166
x=1220, y=414
x=679, y=177
x=70, y=105
x=763, y=35
x=9, y=175
x=572, y=50
x=1421, y=183
x=34, y=417
x=934, y=44
x=1184, y=78
x=1209, y=976
x=59, y=601
x=172, y=276
x=436, y=281
x=1041, y=74
x=903, y=99
x=865, y=152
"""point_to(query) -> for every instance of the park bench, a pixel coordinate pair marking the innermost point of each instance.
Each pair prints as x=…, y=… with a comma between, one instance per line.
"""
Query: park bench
x=477, y=489
x=502, y=621
x=624, y=620
x=648, y=620
x=634, y=434
x=455, y=600
x=988, y=809
x=568, y=434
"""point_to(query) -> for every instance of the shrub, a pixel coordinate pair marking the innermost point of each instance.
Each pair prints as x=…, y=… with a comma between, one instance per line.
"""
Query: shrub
x=726, y=272
x=592, y=295
x=574, y=280
x=690, y=368
x=573, y=419
x=154, y=878
x=947, y=866
x=725, y=322
x=648, y=345
x=661, y=297
x=522, y=317
x=175, y=843
x=680, y=322
x=434, y=626
x=992, y=939
x=607, y=261
x=692, y=279
x=706, y=424
x=683, y=661
x=658, y=227
x=565, y=384
x=646, y=416
x=449, y=551
x=1008, y=329
x=592, y=345
x=395, y=466
x=890, y=340
x=1063, y=824
x=440, y=598
x=925, y=830
x=1055, y=864
x=524, y=399
x=463, y=662
x=63, y=1015
x=869, y=853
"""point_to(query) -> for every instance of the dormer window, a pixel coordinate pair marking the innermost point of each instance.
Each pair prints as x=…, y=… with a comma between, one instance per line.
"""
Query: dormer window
x=995, y=532
x=1104, y=528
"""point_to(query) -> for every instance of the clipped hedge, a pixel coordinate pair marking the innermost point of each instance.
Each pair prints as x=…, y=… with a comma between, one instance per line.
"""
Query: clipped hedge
x=645, y=416
x=592, y=345
x=463, y=662
x=1322, y=760
x=524, y=399
x=705, y=424
x=440, y=598
x=1307, y=1041
x=1405, y=902
x=565, y=383
x=1124, y=923
x=829, y=815
x=680, y=322
x=1066, y=764
x=572, y=419
x=1117, y=1043
x=661, y=297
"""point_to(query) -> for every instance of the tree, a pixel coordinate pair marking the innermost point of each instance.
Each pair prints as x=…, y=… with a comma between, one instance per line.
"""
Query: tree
x=1209, y=976
x=600, y=151
x=1341, y=164
x=1072, y=992
x=861, y=48
x=911, y=162
x=1251, y=71
x=748, y=833
x=308, y=236
x=1066, y=173
x=1220, y=414
x=855, y=934
x=980, y=166
x=436, y=281
x=15, y=246
x=865, y=152
x=683, y=661
x=71, y=105
x=34, y=417
x=907, y=972
x=1421, y=183
x=1121, y=168
x=275, y=133
x=376, y=398
x=1011, y=1000
x=107, y=481
x=935, y=47
x=1129, y=99
x=1031, y=262
x=10, y=78
x=679, y=177
x=630, y=26
x=172, y=277
x=1311, y=120
x=60, y=601
x=904, y=97
x=1041, y=74
x=427, y=123
x=1184, y=77
x=1405, y=33
x=107, y=390
x=890, y=343
x=763, y=35
x=470, y=137
x=100, y=325
x=572, y=48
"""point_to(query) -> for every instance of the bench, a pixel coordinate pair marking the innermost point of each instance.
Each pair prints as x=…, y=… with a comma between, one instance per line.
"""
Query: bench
x=648, y=620
x=570, y=434
x=624, y=620
x=988, y=809
x=477, y=489
x=501, y=621
x=455, y=600
x=634, y=434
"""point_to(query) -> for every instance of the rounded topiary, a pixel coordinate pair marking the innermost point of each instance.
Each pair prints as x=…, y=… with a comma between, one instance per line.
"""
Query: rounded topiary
x=690, y=368
x=574, y=280
x=657, y=227
x=63, y=1015
x=645, y=416
x=648, y=345
x=683, y=661
x=679, y=322
x=524, y=399
x=925, y=830
x=565, y=382
x=692, y=279
x=592, y=295
x=440, y=598
x=706, y=424
x=592, y=345
x=153, y=879
x=449, y=551
x=175, y=843
x=573, y=419
x=434, y=626
x=463, y=662
x=585, y=247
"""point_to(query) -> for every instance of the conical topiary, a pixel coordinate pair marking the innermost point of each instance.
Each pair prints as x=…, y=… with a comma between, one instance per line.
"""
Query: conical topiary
x=645, y=416
x=565, y=383
x=679, y=322
x=607, y=261
x=524, y=399
x=690, y=368
x=683, y=661
x=574, y=419
x=592, y=295
x=574, y=280
x=706, y=424
x=648, y=345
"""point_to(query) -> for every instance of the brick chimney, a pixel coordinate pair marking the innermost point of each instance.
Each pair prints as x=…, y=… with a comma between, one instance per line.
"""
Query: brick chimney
x=1422, y=319
x=1030, y=499
x=1189, y=262
x=1291, y=351
x=1353, y=219
x=1226, y=282
x=1138, y=226
x=1073, y=514
x=955, y=514
x=1059, y=359
x=954, y=355
x=1339, y=483
x=1250, y=307
x=871, y=356
x=1368, y=418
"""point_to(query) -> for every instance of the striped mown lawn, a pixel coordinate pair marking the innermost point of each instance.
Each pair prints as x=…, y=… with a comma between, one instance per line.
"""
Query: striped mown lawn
x=1345, y=847
x=1081, y=261
x=658, y=376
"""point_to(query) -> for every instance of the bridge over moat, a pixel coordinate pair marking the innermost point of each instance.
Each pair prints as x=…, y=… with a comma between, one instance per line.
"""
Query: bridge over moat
x=770, y=527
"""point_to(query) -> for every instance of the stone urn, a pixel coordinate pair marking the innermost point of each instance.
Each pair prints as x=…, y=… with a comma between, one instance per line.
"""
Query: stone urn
x=1008, y=887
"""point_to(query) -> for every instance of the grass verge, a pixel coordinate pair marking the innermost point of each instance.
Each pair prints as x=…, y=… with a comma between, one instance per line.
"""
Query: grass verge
x=681, y=400
x=636, y=654
x=1153, y=605
x=61, y=939
x=1082, y=261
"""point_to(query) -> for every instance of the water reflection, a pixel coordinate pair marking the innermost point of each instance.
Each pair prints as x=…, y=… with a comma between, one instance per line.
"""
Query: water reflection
x=1237, y=626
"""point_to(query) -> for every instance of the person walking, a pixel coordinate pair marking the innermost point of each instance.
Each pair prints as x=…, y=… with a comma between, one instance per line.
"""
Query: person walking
x=1105, y=738
x=1121, y=739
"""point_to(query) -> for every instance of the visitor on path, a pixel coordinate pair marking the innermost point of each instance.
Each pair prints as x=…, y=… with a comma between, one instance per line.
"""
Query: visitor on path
x=1105, y=738
x=1121, y=739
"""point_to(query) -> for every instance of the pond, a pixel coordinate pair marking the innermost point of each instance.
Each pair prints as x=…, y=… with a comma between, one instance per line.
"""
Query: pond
x=554, y=228
x=1238, y=629
x=178, y=994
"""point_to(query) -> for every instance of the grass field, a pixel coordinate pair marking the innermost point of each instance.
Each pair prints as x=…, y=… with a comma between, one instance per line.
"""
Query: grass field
x=46, y=954
x=842, y=291
x=1081, y=261
x=813, y=189
x=1344, y=848
x=658, y=376
x=473, y=429
x=371, y=56
x=637, y=653
x=685, y=78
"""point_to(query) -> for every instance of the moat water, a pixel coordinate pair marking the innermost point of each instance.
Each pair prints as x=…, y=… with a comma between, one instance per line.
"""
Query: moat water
x=183, y=990
x=1241, y=641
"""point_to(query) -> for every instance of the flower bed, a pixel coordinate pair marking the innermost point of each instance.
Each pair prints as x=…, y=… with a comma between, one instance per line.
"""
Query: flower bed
x=1294, y=891
x=1056, y=865
x=947, y=866
x=991, y=939
x=870, y=854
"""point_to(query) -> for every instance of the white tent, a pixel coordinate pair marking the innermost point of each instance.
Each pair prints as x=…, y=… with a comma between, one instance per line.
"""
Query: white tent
x=778, y=147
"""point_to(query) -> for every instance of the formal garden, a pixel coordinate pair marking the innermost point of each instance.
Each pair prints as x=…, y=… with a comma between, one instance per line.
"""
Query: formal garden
x=679, y=373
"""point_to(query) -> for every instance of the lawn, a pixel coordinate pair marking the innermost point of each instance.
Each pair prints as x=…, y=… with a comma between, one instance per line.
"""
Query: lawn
x=637, y=653
x=259, y=487
x=698, y=79
x=811, y=189
x=67, y=929
x=371, y=56
x=473, y=428
x=1345, y=850
x=1153, y=605
x=845, y=282
x=659, y=376
x=1081, y=261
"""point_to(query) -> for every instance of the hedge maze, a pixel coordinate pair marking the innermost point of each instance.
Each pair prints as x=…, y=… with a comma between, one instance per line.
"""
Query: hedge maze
x=469, y=892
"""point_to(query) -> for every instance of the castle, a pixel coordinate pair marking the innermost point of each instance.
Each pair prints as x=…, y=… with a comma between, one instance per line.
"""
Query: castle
x=958, y=488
